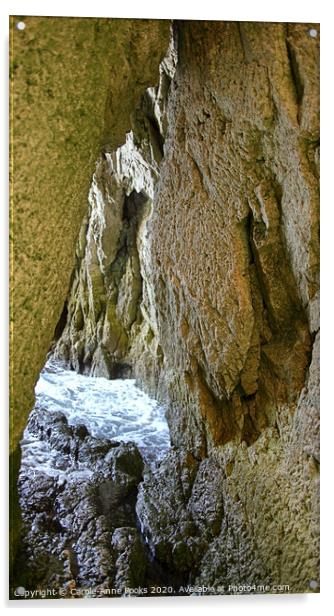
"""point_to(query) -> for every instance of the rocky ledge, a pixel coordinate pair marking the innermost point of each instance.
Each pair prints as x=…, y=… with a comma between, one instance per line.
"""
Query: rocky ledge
x=79, y=515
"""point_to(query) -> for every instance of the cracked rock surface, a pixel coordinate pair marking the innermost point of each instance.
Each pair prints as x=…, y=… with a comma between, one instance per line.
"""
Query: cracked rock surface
x=197, y=272
x=79, y=516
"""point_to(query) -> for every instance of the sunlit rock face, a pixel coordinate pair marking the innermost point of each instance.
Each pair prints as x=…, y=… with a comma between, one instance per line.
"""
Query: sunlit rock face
x=74, y=84
x=197, y=273
x=110, y=315
x=235, y=251
x=103, y=309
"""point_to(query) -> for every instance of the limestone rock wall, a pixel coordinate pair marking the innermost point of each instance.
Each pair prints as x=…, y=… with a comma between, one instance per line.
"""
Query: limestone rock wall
x=197, y=271
x=243, y=516
x=103, y=311
x=109, y=327
x=74, y=84
x=234, y=229
x=235, y=246
x=214, y=303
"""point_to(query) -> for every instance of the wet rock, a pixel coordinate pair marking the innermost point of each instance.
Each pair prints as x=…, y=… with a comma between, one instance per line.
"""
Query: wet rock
x=93, y=451
x=70, y=515
x=38, y=493
x=127, y=459
x=80, y=431
x=130, y=558
x=166, y=523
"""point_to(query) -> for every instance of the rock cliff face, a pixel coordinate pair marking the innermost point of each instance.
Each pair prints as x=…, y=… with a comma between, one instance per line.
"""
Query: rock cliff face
x=219, y=283
x=236, y=286
x=110, y=323
x=235, y=251
x=197, y=272
x=74, y=84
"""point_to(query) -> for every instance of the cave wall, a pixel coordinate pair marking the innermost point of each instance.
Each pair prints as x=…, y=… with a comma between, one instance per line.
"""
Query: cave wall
x=235, y=266
x=235, y=228
x=74, y=84
x=197, y=271
x=109, y=325
x=227, y=327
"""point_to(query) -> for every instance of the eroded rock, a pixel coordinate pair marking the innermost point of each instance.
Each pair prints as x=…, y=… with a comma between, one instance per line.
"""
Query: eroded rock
x=204, y=283
x=110, y=327
x=75, y=495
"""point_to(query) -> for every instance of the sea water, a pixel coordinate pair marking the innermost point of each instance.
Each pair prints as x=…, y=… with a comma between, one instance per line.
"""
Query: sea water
x=110, y=409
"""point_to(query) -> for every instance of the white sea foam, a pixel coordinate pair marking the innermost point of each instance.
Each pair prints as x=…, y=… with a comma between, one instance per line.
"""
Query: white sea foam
x=112, y=409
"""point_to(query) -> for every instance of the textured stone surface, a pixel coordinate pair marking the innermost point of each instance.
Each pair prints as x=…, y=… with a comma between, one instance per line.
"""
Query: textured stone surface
x=235, y=245
x=104, y=314
x=80, y=524
x=213, y=302
x=74, y=84
x=244, y=515
x=109, y=324
x=230, y=255
x=232, y=280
